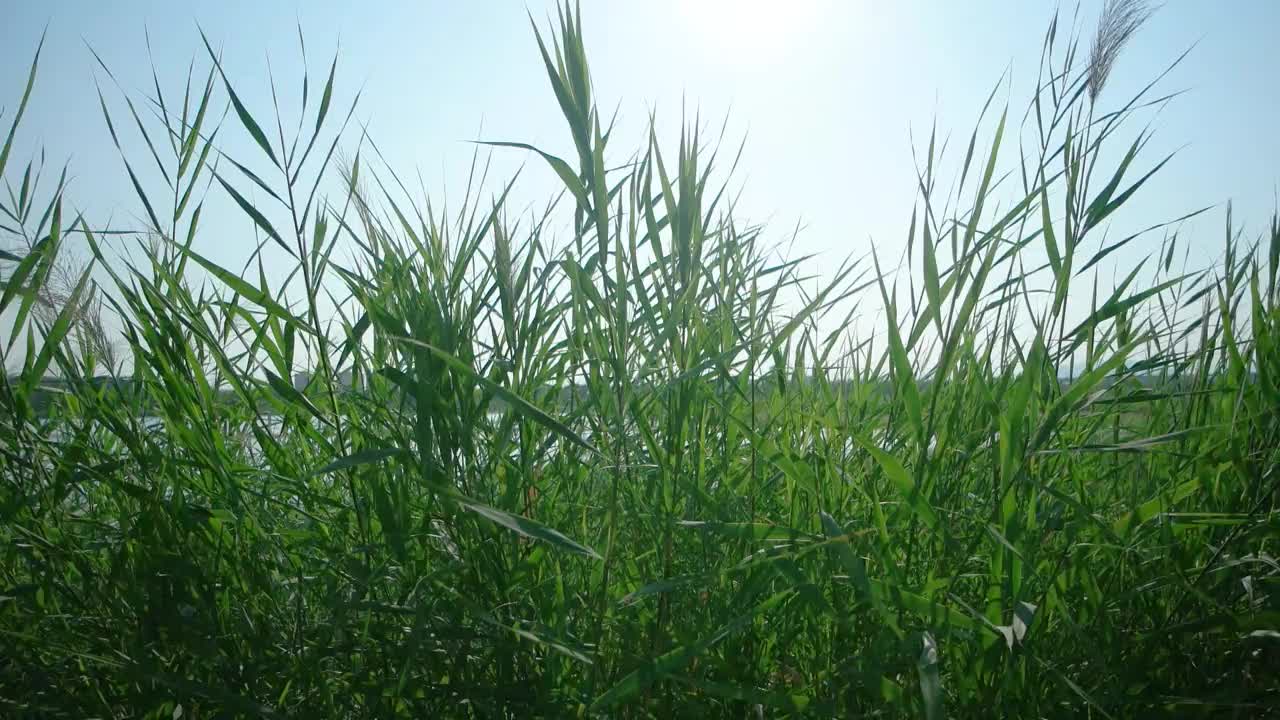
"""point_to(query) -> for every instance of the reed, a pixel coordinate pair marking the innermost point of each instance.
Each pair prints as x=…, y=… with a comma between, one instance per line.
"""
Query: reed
x=611, y=459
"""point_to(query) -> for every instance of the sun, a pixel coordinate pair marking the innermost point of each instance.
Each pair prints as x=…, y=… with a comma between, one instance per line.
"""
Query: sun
x=744, y=31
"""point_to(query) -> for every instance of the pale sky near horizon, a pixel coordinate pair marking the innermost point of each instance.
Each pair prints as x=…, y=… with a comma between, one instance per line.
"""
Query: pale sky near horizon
x=825, y=92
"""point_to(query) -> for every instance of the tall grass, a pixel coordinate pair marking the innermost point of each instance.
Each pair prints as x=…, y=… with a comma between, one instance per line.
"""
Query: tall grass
x=621, y=469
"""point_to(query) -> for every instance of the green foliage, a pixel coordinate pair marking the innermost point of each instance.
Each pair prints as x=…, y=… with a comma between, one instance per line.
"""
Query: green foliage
x=630, y=473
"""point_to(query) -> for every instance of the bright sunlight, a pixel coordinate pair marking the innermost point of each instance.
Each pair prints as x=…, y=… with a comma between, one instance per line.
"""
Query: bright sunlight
x=749, y=32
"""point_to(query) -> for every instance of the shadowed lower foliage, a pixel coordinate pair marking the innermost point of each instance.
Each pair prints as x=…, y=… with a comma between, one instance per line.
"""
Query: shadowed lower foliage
x=619, y=459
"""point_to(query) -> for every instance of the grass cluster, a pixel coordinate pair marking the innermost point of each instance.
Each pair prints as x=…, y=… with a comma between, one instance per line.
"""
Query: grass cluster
x=628, y=468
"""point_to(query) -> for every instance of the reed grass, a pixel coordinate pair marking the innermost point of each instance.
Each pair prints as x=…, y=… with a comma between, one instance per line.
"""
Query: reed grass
x=606, y=460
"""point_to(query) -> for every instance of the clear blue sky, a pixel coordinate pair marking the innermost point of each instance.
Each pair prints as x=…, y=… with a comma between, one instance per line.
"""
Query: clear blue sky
x=825, y=91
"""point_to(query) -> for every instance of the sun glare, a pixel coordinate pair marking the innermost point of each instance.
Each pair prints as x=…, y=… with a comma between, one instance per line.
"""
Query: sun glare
x=748, y=30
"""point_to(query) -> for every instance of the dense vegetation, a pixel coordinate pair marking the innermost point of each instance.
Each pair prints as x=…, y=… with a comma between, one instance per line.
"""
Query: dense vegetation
x=621, y=459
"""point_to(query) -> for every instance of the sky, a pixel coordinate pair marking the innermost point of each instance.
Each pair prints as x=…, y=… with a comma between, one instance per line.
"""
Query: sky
x=826, y=94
